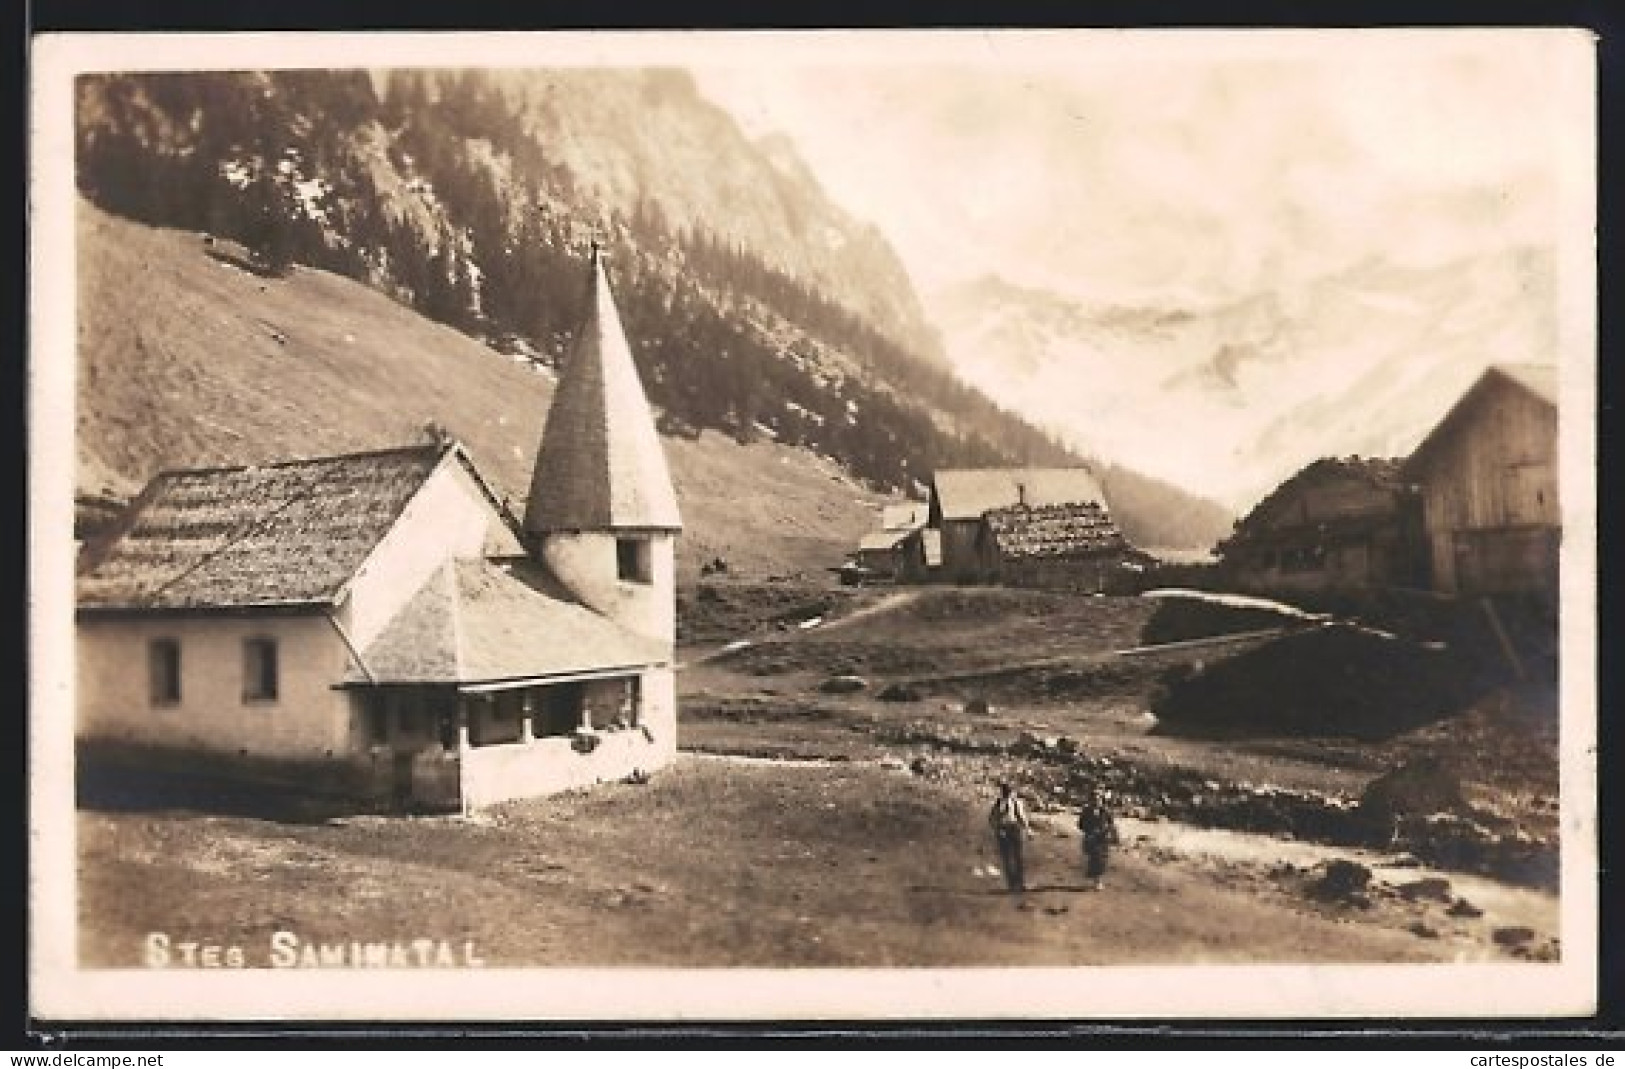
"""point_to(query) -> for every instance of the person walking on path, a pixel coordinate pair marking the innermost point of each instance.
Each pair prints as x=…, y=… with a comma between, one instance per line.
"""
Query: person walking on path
x=1099, y=835
x=1008, y=819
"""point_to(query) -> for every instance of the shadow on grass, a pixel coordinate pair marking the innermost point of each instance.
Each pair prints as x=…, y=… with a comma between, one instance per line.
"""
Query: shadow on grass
x=119, y=789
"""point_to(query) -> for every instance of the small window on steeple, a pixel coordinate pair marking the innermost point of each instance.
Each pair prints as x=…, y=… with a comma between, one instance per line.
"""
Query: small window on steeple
x=633, y=560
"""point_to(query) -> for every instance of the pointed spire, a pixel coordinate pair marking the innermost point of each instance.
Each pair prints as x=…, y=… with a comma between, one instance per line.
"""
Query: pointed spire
x=601, y=466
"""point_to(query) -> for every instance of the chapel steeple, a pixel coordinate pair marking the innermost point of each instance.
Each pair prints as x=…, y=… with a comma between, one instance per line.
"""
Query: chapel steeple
x=602, y=513
x=600, y=466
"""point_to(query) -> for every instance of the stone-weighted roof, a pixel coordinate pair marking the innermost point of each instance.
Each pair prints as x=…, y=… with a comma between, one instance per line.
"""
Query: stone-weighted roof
x=1025, y=532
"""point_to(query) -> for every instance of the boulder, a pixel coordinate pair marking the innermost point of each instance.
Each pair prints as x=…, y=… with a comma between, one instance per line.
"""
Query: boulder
x=1417, y=787
x=978, y=707
x=1434, y=888
x=899, y=692
x=843, y=684
x=1342, y=881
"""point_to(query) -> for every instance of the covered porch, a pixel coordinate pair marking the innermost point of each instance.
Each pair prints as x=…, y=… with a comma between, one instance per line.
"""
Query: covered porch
x=465, y=746
x=485, y=688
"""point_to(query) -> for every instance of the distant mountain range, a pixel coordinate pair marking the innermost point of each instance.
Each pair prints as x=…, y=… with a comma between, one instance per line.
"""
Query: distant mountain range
x=1232, y=397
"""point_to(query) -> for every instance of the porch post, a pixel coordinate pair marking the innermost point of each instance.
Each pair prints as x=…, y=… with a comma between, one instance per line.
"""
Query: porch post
x=463, y=744
x=527, y=710
x=462, y=753
x=631, y=699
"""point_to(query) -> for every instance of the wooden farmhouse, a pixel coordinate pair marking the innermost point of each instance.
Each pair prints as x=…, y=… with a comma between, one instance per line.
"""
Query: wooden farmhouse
x=1040, y=526
x=379, y=624
x=1338, y=524
x=1488, y=473
x=888, y=551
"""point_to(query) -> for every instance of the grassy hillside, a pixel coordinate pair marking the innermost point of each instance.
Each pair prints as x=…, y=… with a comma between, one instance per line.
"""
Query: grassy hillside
x=184, y=360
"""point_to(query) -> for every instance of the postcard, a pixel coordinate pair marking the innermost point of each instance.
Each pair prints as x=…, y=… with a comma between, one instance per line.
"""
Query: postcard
x=537, y=527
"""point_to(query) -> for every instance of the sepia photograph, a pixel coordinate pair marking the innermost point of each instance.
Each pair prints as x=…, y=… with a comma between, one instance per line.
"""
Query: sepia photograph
x=885, y=524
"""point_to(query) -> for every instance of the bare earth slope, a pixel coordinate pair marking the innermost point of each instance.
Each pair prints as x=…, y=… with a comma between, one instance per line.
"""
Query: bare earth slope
x=185, y=361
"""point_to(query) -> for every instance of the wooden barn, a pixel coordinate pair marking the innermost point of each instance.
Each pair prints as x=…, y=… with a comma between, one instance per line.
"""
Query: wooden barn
x=1488, y=473
x=379, y=624
x=1338, y=524
x=1075, y=547
x=961, y=499
x=922, y=556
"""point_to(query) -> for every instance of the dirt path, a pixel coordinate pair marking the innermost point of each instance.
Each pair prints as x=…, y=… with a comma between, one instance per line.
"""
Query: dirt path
x=715, y=862
x=897, y=599
x=699, y=654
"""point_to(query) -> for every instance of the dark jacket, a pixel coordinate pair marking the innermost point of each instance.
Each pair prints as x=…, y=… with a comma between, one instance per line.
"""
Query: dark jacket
x=1098, y=828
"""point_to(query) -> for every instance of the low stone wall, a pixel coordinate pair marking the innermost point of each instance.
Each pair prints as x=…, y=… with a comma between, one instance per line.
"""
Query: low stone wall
x=501, y=773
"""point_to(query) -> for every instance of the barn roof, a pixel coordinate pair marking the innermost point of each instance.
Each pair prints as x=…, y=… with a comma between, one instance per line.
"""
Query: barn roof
x=1025, y=532
x=1537, y=380
x=478, y=621
x=905, y=517
x=600, y=465
x=882, y=539
x=966, y=493
x=1382, y=473
x=284, y=534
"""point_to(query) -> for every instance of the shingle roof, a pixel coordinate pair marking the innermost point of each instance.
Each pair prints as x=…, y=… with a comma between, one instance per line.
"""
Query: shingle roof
x=1054, y=531
x=477, y=621
x=600, y=465
x=290, y=533
x=964, y=494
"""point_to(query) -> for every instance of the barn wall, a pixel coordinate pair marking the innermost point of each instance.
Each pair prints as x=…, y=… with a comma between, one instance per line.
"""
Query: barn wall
x=911, y=559
x=1355, y=555
x=1489, y=486
x=1078, y=576
x=882, y=561
x=307, y=720
x=1342, y=566
x=962, y=560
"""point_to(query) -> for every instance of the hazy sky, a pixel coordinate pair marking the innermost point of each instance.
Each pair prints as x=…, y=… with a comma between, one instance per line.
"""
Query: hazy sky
x=1157, y=166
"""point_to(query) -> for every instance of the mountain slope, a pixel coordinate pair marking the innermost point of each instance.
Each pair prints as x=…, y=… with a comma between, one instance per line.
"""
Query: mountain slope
x=185, y=360
x=690, y=161
x=472, y=196
x=757, y=307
